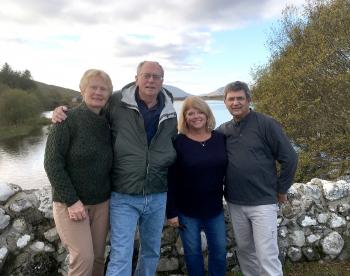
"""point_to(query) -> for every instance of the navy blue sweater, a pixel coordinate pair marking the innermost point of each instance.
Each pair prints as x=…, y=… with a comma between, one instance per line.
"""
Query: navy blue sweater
x=197, y=177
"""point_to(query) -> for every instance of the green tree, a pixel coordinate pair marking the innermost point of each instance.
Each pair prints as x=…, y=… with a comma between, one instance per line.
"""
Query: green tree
x=6, y=75
x=306, y=85
x=25, y=81
x=16, y=79
x=18, y=107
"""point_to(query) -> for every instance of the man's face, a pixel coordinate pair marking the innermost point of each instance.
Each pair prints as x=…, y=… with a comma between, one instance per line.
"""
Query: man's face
x=237, y=104
x=149, y=80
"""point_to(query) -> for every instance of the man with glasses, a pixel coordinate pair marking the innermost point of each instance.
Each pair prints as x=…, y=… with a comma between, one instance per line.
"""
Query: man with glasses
x=143, y=123
x=254, y=143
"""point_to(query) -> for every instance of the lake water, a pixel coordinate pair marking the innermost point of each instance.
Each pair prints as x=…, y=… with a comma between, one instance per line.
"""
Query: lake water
x=21, y=159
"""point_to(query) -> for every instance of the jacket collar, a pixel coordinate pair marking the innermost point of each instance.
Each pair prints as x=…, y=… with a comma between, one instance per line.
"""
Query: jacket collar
x=128, y=97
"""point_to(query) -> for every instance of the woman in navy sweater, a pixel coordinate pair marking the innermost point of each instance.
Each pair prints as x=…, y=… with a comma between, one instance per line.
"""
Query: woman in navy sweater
x=196, y=188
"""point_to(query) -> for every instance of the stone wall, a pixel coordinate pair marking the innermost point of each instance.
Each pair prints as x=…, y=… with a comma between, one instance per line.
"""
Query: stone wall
x=313, y=225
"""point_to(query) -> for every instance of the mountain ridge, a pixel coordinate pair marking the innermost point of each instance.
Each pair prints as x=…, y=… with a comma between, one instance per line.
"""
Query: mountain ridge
x=177, y=92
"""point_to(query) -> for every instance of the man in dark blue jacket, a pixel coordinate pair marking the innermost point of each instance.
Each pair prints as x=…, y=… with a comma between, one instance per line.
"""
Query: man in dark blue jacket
x=253, y=187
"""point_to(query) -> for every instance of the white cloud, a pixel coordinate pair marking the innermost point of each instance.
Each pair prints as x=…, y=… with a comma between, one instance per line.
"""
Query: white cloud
x=59, y=39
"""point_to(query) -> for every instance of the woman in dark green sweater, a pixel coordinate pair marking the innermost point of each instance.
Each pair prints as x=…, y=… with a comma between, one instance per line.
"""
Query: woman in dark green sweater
x=78, y=159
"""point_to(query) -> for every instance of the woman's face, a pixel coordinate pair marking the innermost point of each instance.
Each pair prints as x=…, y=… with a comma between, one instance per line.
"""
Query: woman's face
x=195, y=119
x=96, y=94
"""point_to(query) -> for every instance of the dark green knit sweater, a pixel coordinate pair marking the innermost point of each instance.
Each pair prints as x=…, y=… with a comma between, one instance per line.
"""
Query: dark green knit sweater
x=78, y=158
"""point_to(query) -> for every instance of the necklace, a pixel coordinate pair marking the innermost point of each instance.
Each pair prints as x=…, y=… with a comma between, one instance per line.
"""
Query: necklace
x=202, y=139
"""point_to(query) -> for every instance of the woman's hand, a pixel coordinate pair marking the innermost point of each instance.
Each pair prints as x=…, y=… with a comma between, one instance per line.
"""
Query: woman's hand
x=282, y=198
x=59, y=114
x=77, y=211
x=174, y=222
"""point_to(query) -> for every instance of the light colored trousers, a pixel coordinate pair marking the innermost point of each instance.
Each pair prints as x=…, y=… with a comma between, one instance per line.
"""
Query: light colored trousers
x=255, y=231
x=85, y=240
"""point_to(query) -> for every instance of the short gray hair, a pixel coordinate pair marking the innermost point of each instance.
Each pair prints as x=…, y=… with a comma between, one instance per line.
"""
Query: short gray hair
x=238, y=86
x=139, y=67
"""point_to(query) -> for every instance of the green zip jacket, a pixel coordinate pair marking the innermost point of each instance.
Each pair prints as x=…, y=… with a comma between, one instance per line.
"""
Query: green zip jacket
x=140, y=169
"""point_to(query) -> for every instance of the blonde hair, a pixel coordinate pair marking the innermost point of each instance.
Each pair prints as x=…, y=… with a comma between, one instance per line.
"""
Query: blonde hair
x=197, y=103
x=91, y=73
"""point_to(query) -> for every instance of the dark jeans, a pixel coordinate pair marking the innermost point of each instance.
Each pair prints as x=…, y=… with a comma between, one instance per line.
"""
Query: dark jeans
x=215, y=232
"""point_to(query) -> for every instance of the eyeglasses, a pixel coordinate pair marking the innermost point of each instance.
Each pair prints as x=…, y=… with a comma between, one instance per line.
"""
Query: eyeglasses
x=147, y=76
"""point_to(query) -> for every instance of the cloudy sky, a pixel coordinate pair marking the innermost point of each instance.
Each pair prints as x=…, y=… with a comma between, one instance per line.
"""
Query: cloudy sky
x=202, y=44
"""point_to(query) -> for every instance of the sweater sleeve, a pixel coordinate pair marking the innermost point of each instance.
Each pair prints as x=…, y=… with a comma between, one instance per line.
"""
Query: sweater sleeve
x=284, y=153
x=57, y=146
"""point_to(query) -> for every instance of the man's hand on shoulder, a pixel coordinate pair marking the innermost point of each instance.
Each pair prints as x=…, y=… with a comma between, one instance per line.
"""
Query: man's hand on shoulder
x=59, y=114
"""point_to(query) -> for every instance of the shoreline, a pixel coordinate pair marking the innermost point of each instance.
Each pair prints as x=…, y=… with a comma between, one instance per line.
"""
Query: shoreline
x=14, y=131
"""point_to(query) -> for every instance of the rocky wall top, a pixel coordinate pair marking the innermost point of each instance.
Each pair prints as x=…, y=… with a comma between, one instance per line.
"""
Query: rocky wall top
x=313, y=225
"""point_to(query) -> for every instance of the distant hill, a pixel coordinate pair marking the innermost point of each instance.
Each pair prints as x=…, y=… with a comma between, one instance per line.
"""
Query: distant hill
x=48, y=96
x=177, y=92
x=52, y=96
x=216, y=93
x=57, y=89
x=180, y=94
x=68, y=94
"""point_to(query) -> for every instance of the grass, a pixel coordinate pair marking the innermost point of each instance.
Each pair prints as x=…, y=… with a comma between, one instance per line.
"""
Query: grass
x=322, y=268
x=14, y=131
x=7, y=132
x=329, y=268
